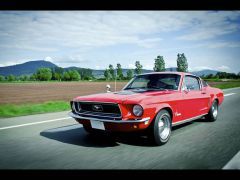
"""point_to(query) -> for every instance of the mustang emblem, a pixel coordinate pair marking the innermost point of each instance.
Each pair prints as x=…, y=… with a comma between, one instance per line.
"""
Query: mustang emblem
x=97, y=107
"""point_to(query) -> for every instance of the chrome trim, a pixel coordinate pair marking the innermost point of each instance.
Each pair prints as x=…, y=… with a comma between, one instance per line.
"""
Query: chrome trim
x=112, y=121
x=102, y=103
x=98, y=115
x=96, y=102
x=92, y=113
x=188, y=120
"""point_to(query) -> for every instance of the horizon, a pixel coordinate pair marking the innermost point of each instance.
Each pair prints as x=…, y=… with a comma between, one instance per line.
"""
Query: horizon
x=94, y=39
x=114, y=67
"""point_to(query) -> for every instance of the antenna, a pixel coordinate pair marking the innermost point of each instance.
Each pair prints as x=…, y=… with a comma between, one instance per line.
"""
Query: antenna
x=115, y=80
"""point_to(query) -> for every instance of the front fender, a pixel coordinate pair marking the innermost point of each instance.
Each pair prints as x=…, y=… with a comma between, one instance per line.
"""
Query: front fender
x=152, y=110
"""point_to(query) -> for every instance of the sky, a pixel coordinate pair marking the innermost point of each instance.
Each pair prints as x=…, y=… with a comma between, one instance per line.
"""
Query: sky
x=95, y=39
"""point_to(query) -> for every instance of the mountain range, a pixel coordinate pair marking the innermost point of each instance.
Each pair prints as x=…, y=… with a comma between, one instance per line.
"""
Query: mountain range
x=30, y=67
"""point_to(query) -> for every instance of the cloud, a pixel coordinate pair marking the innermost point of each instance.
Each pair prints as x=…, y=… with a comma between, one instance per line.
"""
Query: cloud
x=72, y=38
x=199, y=68
x=148, y=66
x=131, y=66
x=224, y=45
x=48, y=31
x=209, y=25
x=223, y=68
x=71, y=59
x=48, y=58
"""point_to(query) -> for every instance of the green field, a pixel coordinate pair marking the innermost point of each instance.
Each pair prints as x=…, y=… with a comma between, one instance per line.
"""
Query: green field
x=227, y=85
x=10, y=110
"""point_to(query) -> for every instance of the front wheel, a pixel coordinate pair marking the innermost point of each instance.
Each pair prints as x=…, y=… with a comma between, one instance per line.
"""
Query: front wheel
x=213, y=112
x=162, y=127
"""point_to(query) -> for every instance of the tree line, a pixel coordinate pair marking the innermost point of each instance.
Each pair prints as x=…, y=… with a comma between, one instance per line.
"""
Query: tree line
x=159, y=65
x=110, y=73
x=57, y=74
x=222, y=75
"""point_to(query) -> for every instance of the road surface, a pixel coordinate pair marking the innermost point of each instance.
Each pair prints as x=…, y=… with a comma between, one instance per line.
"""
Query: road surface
x=56, y=141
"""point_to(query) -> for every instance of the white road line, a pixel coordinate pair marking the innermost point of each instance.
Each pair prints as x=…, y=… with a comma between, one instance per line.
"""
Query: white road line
x=234, y=163
x=29, y=124
x=229, y=94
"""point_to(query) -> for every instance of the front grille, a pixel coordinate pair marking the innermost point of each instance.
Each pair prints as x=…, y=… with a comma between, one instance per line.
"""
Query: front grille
x=99, y=110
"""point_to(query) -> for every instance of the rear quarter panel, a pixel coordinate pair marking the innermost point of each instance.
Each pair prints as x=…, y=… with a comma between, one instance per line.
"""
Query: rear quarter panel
x=216, y=93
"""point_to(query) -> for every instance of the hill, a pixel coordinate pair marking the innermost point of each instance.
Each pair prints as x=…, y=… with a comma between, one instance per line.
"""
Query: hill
x=205, y=72
x=26, y=68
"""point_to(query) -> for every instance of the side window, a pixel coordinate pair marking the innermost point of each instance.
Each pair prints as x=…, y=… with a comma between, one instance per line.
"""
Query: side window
x=192, y=83
x=204, y=83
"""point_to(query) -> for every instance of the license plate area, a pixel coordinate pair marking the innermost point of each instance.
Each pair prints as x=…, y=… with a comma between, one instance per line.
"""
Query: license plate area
x=97, y=125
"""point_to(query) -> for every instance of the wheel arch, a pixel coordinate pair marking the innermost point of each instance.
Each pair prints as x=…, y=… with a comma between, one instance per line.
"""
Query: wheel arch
x=166, y=107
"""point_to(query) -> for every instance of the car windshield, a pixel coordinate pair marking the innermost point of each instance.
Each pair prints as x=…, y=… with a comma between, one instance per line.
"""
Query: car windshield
x=154, y=82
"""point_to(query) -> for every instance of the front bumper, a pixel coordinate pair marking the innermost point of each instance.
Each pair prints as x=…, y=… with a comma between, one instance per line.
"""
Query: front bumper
x=76, y=116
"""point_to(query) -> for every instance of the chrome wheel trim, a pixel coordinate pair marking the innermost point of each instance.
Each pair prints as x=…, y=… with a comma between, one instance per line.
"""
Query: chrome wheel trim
x=214, y=109
x=164, y=126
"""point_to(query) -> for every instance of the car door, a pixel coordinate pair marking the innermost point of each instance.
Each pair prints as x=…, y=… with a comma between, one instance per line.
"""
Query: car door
x=194, y=97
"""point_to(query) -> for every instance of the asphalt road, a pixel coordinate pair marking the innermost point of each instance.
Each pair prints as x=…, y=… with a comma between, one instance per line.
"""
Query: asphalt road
x=34, y=142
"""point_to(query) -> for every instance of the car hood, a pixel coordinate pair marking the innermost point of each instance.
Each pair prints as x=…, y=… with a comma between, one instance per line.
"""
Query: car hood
x=123, y=97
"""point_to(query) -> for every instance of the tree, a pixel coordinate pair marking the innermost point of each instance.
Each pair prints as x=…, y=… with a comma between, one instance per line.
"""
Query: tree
x=11, y=78
x=182, y=65
x=57, y=76
x=58, y=70
x=119, y=71
x=111, y=71
x=44, y=74
x=159, y=64
x=24, y=78
x=129, y=74
x=66, y=76
x=74, y=75
x=209, y=76
x=107, y=74
x=138, y=69
x=85, y=74
x=33, y=77
x=2, y=78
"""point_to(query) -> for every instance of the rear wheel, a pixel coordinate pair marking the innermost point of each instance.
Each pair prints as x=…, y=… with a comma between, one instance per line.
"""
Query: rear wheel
x=213, y=112
x=162, y=127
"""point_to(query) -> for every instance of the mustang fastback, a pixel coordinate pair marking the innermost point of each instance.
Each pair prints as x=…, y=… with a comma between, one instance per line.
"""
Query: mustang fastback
x=152, y=102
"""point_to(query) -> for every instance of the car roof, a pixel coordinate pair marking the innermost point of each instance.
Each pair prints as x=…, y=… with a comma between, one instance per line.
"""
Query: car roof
x=170, y=72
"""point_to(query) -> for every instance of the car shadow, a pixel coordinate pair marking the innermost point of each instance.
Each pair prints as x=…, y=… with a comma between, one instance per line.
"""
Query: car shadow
x=76, y=135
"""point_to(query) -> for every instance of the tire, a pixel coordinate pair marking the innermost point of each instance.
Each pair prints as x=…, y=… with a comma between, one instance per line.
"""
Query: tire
x=161, y=129
x=213, y=112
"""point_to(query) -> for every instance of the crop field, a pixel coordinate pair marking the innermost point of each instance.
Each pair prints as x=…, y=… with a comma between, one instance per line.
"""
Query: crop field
x=19, y=93
x=19, y=99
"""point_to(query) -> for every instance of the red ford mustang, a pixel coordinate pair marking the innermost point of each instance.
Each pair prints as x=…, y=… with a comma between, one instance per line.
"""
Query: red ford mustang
x=153, y=102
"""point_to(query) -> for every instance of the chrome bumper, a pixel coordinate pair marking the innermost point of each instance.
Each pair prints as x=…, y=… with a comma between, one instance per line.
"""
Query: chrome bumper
x=112, y=121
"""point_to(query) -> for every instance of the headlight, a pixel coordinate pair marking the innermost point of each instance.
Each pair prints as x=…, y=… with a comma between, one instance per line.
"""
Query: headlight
x=137, y=110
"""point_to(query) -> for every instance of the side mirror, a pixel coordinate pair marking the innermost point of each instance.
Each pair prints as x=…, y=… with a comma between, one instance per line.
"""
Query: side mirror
x=186, y=89
x=108, y=88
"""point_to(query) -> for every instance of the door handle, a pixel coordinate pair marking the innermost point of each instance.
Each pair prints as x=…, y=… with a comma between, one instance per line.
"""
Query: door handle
x=203, y=93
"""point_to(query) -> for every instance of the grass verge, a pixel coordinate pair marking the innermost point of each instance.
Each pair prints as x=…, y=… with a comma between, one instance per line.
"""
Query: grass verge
x=11, y=110
x=227, y=85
